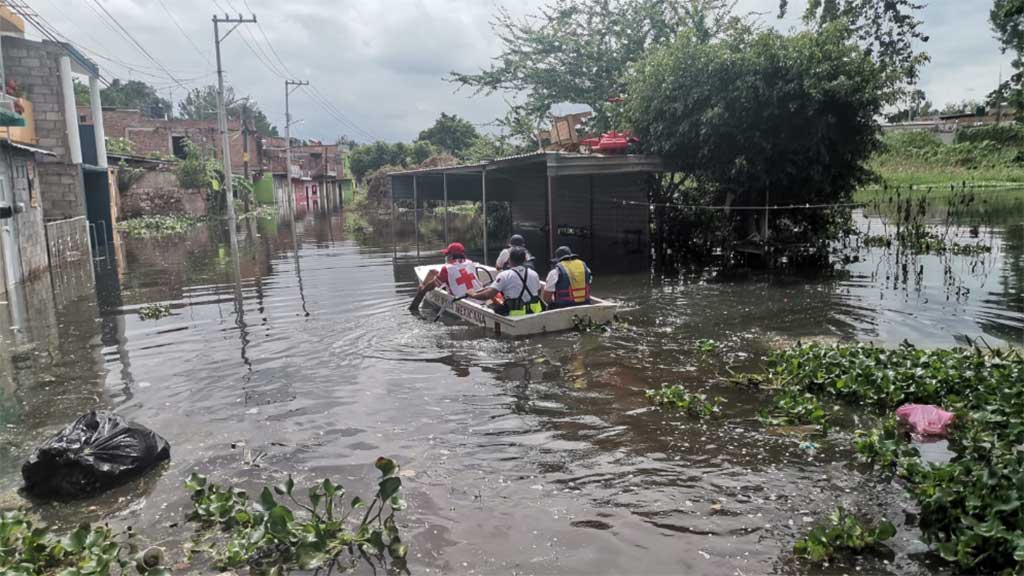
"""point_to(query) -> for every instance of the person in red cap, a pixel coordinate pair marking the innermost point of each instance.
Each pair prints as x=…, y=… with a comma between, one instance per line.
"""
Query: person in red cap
x=458, y=274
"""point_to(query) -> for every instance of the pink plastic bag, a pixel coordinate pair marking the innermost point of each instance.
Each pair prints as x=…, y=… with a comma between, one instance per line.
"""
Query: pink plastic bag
x=925, y=419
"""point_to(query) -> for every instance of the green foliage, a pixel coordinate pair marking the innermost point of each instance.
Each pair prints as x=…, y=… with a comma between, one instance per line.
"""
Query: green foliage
x=27, y=549
x=154, y=311
x=888, y=31
x=420, y=151
x=843, y=533
x=582, y=51
x=1009, y=135
x=156, y=225
x=281, y=535
x=451, y=134
x=118, y=145
x=372, y=157
x=489, y=147
x=806, y=140
x=1007, y=18
x=200, y=171
x=82, y=95
x=919, y=158
x=793, y=407
x=677, y=397
x=201, y=104
x=970, y=507
x=137, y=95
x=886, y=448
x=706, y=346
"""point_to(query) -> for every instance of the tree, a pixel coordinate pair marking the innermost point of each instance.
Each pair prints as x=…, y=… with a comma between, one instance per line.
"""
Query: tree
x=581, y=51
x=137, y=95
x=915, y=106
x=420, y=151
x=805, y=141
x=371, y=157
x=1007, y=18
x=201, y=104
x=451, y=134
x=82, y=95
x=962, y=107
x=885, y=29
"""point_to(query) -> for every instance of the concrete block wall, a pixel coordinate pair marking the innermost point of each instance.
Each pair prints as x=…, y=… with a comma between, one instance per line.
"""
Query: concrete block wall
x=35, y=68
x=157, y=192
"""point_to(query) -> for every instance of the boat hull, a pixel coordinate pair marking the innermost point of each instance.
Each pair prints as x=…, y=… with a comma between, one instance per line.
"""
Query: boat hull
x=475, y=312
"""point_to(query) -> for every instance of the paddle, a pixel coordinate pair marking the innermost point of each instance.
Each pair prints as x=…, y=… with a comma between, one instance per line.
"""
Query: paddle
x=426, y=286
x=445, y=306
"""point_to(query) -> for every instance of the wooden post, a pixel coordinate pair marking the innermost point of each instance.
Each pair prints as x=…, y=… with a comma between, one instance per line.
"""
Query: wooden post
x=444, y=176
x=416, y=214
x=551, y=216
x=483, y=205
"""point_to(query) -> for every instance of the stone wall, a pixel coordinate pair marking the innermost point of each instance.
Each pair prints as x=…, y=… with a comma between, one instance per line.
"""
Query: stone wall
x=157, y=193
x=34, y=66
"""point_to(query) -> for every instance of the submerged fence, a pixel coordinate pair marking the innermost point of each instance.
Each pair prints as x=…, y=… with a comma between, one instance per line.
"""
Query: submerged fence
x=68, y=240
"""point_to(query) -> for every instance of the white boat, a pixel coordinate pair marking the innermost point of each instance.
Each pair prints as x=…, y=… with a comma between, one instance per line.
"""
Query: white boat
x=476, y=312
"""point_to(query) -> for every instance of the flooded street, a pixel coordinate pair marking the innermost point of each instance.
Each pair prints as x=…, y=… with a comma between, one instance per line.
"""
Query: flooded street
x=529, y=456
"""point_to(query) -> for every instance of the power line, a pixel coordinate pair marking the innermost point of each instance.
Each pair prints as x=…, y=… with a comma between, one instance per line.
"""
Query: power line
x=185, y=34
x=269, y=43
x=338, y=114
x=137, y=44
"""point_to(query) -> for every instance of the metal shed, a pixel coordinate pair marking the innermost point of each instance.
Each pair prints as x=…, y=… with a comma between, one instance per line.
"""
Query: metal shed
x=595, y=204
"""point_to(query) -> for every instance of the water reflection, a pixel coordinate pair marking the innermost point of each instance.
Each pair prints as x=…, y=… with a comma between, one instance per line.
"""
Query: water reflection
x=532, y=455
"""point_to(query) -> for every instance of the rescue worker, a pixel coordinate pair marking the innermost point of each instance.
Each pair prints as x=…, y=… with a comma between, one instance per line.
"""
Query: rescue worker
x=458, y=274
x=513, y=241
x=568, y=283
x=519, y=287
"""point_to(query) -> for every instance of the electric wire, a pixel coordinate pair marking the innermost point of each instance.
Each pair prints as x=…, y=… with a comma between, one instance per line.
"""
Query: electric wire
x=185, y=34
x=138, y=45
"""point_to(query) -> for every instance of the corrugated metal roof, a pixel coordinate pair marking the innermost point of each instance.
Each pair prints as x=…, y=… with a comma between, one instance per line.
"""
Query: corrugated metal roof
x=473, y=166
x=27, y=148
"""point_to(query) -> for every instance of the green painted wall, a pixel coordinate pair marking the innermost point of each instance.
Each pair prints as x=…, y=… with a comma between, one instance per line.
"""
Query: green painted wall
x=348, y=190
x=263, y=191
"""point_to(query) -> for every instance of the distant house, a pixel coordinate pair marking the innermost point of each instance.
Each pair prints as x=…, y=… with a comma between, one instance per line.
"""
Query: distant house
x=163, y=138
x=312, y=180
x=945, y=126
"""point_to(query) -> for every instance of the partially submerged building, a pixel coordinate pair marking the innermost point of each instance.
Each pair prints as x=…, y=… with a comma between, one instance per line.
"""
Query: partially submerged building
x=54, y=170
x=595, y=204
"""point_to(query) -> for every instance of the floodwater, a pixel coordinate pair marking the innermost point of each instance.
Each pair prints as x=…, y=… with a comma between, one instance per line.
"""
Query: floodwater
x=529, y=456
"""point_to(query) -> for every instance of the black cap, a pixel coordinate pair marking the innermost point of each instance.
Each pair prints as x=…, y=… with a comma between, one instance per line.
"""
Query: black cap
x=516, y=240
x=517, y=255
x=562, y=253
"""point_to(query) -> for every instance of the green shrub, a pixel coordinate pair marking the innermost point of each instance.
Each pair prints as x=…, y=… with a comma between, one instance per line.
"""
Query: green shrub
x=844, y=533
x=971, y=507
x=1007, y=134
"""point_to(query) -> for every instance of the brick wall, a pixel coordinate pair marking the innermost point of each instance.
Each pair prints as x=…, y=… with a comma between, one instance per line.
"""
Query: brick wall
x=35, y=67
x=154, y=135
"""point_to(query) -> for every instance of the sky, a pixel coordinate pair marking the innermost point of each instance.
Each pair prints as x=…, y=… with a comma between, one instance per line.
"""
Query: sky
x=377, y=68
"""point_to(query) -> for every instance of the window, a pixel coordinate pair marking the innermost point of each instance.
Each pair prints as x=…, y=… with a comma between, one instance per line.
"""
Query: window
x=178, y=146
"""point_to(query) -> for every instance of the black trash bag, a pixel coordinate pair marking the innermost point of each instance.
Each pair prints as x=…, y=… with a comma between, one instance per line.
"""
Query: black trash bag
x=96, y=452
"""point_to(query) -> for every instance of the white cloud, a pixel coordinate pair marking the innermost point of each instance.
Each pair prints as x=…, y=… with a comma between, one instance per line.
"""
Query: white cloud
x=383, y=62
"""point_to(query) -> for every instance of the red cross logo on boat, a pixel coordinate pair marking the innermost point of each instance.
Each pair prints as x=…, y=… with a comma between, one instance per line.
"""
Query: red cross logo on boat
x=465, y=279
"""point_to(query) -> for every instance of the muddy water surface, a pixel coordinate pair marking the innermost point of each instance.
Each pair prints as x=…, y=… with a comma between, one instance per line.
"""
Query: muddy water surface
x=532, y=456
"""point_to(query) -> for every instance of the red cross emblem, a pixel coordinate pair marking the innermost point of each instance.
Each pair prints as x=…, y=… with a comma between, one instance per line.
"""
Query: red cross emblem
x=465, y=279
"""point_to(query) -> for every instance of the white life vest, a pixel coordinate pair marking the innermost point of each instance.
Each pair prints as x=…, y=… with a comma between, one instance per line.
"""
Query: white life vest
x=462, y=270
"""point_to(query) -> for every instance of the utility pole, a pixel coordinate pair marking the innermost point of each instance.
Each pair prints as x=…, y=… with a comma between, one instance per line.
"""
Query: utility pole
x=222, y=119
x=288, y=136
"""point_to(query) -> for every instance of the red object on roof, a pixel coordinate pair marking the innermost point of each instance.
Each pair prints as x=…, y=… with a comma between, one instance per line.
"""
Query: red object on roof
x=613, y=142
